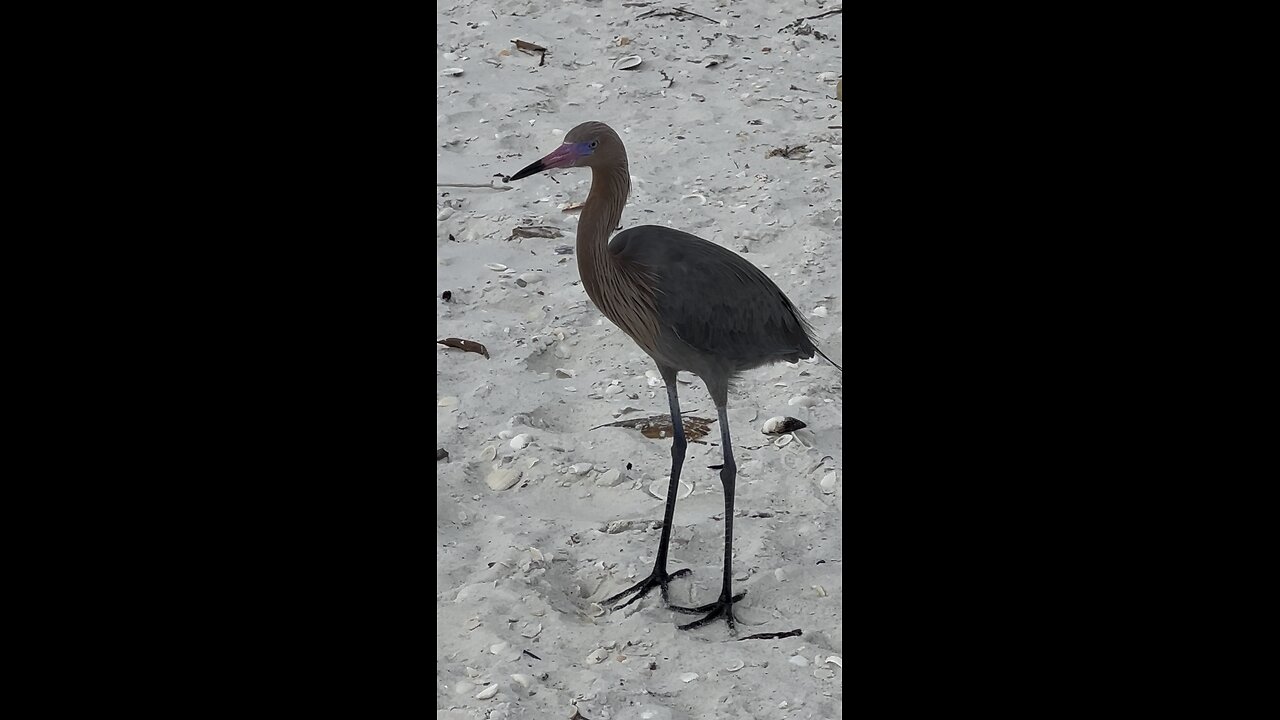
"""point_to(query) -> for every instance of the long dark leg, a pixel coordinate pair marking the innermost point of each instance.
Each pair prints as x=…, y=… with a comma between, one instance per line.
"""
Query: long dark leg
x=722, y=607
x=659, y=576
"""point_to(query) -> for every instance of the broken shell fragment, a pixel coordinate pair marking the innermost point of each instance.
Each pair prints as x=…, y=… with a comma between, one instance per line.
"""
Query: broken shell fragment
x=580, y=468
x=520, y=441
x=780, y=424
x=835, y=660
x=522, y=680
x=828, y=482
x=784, y=440
x=598, y=655
x=451, y=71
x=688, y=677
x=496, y=267
x=627, y=63
x=489, y=453
x=735, y=666
x=658, y=489
x=798, y=660
x=497, y=648
x=533, y=633
x=502, y=479
x=487, y=693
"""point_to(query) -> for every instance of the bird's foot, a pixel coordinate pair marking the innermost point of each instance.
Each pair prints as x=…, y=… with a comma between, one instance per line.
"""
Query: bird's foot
x=655, y=579
x=720, y=608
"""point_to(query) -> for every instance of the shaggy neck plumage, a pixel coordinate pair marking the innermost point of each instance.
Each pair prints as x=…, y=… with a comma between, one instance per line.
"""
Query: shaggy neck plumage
x=609, y=189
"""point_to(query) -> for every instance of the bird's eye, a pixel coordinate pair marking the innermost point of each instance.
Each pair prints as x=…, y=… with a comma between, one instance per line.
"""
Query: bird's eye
x=593, y=144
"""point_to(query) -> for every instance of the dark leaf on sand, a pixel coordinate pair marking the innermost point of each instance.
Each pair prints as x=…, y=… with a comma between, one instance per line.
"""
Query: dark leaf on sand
x=468, y=345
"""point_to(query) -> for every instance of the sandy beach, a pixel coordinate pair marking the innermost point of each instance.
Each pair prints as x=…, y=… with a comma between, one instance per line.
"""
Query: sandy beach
x=727, y=112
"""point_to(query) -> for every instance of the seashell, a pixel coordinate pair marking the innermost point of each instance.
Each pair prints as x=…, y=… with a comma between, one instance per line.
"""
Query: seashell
x=784, y=440
x=821, y=591
x=688, y=677
x=489, y=453
x=520, y=441
x=653, y=382
x=835, y=660
x=828, y=482
x=506, y=434
x=658, y=489
x=735, y=666
x=444, y=214
x=803, y=400
x=522, y=680
x=487, y=693
x=780, y=574
x=564, y=373
x=799, y=661
x=502, y=479
x=684, y=377
x=497, y=648
x=610, y=478
x=496, y=267
x=820, y=311
x=823, y=674
x=580, y=468
x=532, y=633
x=448, y=401
x=596, y=609
x=529, y=278
x=451, y=71
x=780, y=424
x=627, y=63
x=598, y=655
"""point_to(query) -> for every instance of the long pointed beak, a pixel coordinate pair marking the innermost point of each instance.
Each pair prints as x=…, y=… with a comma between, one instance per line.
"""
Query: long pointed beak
x=562, y=157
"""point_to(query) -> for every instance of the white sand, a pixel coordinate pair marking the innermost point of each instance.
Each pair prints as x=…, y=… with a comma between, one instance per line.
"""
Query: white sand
x=538, y=554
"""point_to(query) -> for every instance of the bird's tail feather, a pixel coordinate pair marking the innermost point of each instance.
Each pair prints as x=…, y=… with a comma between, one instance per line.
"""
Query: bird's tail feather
x=833, y=362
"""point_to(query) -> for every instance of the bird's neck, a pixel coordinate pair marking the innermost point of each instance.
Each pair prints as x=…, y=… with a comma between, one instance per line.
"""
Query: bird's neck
x=609, y=189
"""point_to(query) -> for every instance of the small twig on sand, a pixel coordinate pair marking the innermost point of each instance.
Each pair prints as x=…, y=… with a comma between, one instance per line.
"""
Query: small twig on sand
x=677, y=12
x=829, y=12
x=835, y=127
x=772, y=636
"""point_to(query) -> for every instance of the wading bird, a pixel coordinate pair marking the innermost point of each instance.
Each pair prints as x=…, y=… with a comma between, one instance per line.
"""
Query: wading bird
x=691, y=305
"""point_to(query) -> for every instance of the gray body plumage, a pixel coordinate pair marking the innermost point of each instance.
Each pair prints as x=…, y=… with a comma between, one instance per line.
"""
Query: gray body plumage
x=718, y=314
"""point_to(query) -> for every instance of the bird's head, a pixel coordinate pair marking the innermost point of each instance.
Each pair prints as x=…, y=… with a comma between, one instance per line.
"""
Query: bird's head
x=591, y=144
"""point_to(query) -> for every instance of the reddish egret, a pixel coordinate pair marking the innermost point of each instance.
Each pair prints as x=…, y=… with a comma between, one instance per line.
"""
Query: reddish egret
x=691, y=305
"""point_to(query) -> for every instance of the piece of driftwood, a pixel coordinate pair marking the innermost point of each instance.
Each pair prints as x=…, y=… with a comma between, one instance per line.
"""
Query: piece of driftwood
x=468, y=345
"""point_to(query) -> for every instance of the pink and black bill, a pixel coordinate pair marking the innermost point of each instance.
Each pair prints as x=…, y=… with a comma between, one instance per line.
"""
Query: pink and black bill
x=565, y=156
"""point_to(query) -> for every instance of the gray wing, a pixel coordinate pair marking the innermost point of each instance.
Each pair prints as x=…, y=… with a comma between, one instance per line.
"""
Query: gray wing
x=713, y=300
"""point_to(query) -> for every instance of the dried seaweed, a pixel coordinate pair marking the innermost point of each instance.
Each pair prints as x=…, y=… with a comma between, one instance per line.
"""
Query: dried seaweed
x=659, y=427
x=789, y=151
